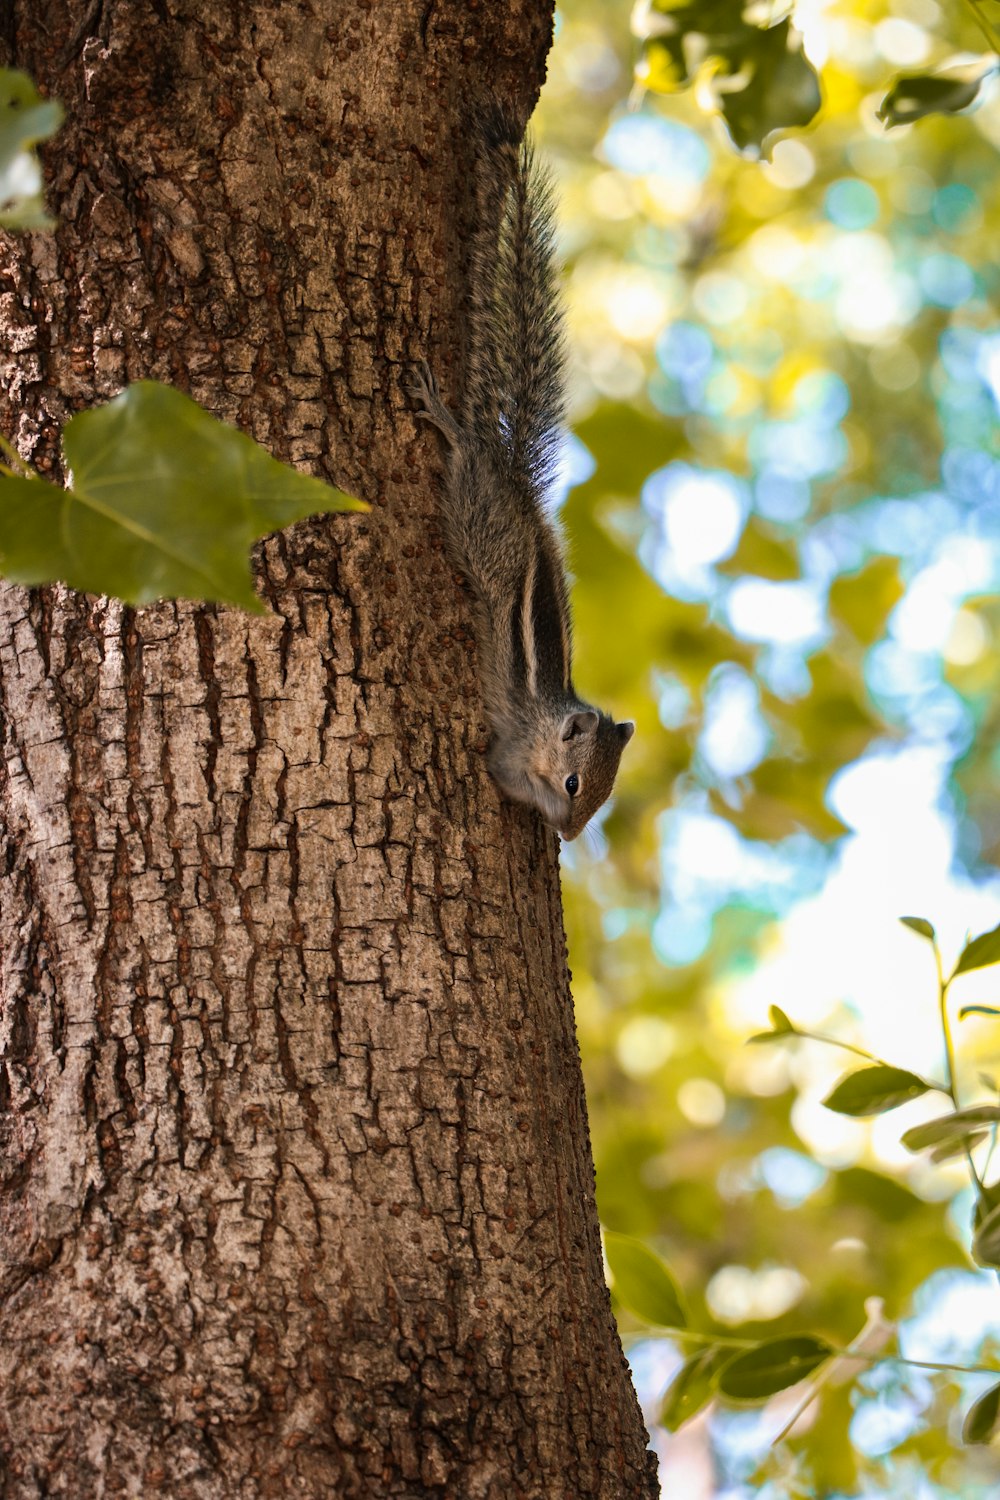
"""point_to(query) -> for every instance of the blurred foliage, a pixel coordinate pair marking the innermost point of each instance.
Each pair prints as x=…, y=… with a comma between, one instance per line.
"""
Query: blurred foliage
x=759, y=77
x=913, y=98
x=25, y=119
x=763, y=80
x=784, y=519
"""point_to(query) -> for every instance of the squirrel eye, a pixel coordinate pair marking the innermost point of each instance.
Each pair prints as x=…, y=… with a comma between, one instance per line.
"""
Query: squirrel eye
x=573, y=784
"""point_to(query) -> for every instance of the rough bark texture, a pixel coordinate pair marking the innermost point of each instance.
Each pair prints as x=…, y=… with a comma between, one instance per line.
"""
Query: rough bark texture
x=297, y=1195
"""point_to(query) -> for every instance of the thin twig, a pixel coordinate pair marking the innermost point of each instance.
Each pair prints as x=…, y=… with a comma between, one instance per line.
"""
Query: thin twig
x=844, y=1351
x=949, y=1057
x=983, y=25
x=832, y=1041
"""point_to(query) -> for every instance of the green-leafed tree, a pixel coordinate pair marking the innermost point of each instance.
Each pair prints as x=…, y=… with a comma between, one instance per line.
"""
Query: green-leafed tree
x=810, y=332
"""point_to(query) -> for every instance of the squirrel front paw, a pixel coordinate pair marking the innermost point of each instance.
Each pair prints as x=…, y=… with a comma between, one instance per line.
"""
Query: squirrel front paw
x=420, y=385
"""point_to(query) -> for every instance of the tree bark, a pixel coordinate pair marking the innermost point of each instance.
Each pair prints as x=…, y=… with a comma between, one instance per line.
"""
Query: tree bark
x=297, y=1194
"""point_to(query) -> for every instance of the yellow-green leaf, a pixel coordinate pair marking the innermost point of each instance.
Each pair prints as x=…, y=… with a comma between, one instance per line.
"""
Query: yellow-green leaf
x=914, y=96
x=958, y=1146
x=693, y=1386
x=863, y=601
x=771, y=1367
x=986, y=1241
x=872, y=1091
x=763, y=552
x=946, y=1127
x=919, y=925
x=642, y=1282
x=781, y=1026
x=980, y=953
x=983, y=1418
x=25, y=119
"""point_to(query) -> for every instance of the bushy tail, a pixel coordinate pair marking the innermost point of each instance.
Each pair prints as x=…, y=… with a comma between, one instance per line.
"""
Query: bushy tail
x=515, y=378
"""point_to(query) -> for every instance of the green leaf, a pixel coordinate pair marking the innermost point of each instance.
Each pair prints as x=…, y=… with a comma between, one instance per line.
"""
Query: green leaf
x=693, y=1386
x=642, y=1282
x=921, y=925
x=987, y=1199
x=914, y=96
x=771, y=1367
x=983, y=1418
x=661, y=69
x=836, y=718
x=862, y=601
x=782, y=90
x=763, y=81
x=980, y=952
x=764, y=552
x=639, y=441
x=784, y=795
x=986, y=1241
x=166, y=502
x=948, y=1150
x=25, y=119
x=781, y=1026
x=872, y=1091
x=946, y=1127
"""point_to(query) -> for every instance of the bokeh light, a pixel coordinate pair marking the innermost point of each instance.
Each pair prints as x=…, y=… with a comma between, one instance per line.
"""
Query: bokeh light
x=789, y=379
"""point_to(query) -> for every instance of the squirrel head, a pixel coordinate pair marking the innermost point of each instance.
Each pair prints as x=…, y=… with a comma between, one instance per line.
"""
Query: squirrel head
x=569, y=769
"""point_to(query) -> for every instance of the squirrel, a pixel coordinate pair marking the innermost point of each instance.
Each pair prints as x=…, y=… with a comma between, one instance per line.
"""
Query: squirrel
x=548, y=749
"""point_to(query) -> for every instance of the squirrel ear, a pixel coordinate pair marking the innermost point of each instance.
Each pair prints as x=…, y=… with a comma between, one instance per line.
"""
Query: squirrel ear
x=626, y=729
x=584, y=721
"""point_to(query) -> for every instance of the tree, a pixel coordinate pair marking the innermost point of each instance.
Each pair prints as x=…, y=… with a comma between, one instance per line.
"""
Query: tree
x=297, y=1185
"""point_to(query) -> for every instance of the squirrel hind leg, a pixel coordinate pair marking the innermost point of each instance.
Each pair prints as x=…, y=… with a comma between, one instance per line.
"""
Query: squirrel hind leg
x=421, y=386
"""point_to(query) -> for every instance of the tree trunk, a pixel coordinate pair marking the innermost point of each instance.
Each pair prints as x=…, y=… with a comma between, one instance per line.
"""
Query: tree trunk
x=297, y=1189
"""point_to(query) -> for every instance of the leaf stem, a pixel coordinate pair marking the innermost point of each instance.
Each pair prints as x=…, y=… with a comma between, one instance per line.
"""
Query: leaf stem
x=983, y=25
x=949, y=1048
x=949, y=1056
x=832, y=1041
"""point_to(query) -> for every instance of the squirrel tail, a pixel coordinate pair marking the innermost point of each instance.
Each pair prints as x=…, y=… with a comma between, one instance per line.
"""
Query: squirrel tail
x=516, y=378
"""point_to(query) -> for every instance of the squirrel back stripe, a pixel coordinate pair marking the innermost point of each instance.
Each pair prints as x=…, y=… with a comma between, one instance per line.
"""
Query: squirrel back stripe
x=526, y=621
x=522, y=652
x=550, y=628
